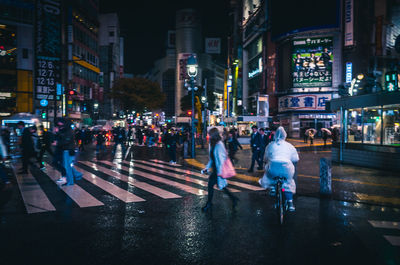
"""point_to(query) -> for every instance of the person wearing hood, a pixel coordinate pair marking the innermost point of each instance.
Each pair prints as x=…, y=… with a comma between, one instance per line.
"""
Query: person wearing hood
x=280, y=157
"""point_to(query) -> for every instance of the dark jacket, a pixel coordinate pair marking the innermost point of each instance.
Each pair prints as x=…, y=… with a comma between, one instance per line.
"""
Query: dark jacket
x=255, y=141
x=65, y=139
x=27, y=143
x=264, y=141
x=233, y=145
x=171, y=140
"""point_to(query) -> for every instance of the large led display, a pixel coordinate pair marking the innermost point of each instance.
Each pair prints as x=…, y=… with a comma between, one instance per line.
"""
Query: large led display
x=312, y=62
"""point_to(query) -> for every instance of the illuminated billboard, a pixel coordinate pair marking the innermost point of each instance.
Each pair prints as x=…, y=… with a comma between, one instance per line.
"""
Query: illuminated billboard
x=312, y=62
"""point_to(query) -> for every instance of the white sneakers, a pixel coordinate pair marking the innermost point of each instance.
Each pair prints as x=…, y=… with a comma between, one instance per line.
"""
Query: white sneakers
x=172, y=162
x=62, y=180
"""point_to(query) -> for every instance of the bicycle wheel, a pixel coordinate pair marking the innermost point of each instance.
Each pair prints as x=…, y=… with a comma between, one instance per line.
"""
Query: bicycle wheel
x=279, y=203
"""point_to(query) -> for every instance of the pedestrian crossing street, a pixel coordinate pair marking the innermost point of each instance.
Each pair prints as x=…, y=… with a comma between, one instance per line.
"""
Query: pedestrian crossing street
x=147, y=178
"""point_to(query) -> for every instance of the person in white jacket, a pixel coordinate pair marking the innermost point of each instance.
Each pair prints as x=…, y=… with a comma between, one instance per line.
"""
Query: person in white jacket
x=280, y=157
x=217, y=157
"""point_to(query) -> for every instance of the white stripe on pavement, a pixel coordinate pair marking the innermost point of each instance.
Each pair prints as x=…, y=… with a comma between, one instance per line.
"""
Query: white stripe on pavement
x=35, y=199
x=385, y=224
x=177, y=176
x=166, y=163
x=394, y=240
x=232, y=182
x=141, y=185
x=114, y=190
x=178, y=185
x=75, y=192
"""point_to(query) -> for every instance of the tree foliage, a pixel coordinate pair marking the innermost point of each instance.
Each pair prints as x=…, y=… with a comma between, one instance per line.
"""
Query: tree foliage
x=186, y=101
x=138, y=94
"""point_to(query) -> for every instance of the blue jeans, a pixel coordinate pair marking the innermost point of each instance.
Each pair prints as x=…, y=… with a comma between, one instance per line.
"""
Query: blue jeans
x=70, y=171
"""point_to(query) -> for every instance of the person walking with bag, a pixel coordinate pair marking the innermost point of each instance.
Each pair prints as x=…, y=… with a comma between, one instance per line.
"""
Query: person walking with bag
x=220, y=164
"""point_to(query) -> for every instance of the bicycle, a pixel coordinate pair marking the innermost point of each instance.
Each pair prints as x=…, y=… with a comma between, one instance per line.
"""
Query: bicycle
x=279, y=199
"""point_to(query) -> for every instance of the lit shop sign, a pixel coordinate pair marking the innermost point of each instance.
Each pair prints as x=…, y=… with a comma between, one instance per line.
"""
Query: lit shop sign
x=349, y=72
x=303, y=102
x=48, y=48
x=257, y=70
x=312, y=62
x=4, y=52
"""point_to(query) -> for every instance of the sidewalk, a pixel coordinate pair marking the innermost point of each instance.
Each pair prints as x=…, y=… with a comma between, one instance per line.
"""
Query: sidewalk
x=349, y=183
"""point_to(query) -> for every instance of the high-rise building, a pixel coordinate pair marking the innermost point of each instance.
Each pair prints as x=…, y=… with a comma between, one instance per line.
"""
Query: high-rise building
x=82, y=52
x=111, y=61
x=16, y=56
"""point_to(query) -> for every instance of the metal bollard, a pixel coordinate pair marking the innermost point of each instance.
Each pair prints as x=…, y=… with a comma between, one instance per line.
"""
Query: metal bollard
x=325, y=177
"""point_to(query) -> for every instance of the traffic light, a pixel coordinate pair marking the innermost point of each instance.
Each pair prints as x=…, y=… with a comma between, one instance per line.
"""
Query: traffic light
x=391, y=81
x=72, y=92
x=189, y=113
x=44, y=114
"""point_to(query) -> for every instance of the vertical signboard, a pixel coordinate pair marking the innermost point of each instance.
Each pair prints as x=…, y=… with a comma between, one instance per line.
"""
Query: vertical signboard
x=263, y=105
x=312, y=62
x=213, y=45
x=349, y=72
x=182, y=60
x=48, y=48
x=349, y=23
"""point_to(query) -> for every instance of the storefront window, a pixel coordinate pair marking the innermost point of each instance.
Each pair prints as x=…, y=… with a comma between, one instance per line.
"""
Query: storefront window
x=372, y=125
x=391, y=125
x=354, y=126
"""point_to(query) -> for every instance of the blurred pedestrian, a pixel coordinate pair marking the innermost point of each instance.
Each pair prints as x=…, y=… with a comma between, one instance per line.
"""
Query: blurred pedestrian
x=217, y=157
x=264, y=141
x=28, y=148
x=45, y=140
x=233, y=146
x=255, y=144
x=324, y=137
x=66, y=144
x=100, y=139
x=3, y=173
x=139, y=136
x=119, y=139
x=171, y=142
x=311, y=136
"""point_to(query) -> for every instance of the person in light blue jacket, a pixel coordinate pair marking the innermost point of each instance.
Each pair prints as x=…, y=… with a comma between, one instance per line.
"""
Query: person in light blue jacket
x=216, y=161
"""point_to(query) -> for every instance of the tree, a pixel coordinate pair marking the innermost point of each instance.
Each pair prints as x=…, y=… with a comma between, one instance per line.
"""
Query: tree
x=186, y=101
x=138, y=94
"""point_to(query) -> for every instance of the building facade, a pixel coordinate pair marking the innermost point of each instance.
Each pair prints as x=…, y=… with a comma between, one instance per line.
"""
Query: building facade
x=16, y=57
x=111, y=62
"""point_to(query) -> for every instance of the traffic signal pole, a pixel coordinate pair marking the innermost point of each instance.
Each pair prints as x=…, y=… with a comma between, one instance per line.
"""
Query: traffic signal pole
x=192, y=131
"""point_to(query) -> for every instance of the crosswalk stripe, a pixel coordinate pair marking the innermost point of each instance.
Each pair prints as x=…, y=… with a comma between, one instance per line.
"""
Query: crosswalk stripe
x=141, y=185
x=178, y=185
x=177, y=176
x=385, y=224
x=236, y=183
x=35, y=199
x=114, y=190
x=394, y=240
x=166, y=163
x=75, y=192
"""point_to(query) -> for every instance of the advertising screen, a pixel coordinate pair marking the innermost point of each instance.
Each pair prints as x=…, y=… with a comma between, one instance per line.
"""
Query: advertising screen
x=312, y=62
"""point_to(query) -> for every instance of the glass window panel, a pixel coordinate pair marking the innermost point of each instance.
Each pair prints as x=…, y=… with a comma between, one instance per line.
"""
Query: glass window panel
x=391, y=125
x=372, y=125
x=354, y=125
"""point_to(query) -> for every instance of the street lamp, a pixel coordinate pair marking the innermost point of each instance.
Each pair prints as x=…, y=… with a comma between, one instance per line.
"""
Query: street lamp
x=191, y=66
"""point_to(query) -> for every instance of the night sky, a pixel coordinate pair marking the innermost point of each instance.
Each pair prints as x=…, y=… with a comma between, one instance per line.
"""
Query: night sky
x=144, y=25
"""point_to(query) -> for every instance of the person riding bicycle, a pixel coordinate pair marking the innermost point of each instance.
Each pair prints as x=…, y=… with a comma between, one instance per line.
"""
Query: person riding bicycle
x=281, y=157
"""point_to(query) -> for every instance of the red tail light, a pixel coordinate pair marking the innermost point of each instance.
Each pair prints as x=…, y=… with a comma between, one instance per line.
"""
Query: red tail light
x=283, y=190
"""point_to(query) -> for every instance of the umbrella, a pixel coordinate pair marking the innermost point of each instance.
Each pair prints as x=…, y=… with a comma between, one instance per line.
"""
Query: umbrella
x=311, y=129
x=326, y=130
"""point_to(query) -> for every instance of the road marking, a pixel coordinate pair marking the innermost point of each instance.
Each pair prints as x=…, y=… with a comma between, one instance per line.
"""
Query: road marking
x=75, y=192
x=174, y=175
x=163, y=162
x=35, y=199
x=376, y=198
x=394, y=240
x=141, y=185
x=385, y=224
x=190, y=172
x=178, y=185
x=114, y=190
x=355, y=182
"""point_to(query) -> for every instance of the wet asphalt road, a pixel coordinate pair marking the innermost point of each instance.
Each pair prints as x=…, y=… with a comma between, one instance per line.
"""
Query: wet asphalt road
x=175, y=231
